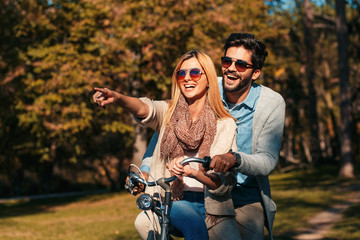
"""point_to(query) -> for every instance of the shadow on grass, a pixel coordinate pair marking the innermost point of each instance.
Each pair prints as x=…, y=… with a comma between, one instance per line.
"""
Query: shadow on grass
x=26, y=206
x=293, y=238
x=324, y=177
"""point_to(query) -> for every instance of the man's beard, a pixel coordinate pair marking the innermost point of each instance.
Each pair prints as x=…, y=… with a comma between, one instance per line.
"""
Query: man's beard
x=239, y=86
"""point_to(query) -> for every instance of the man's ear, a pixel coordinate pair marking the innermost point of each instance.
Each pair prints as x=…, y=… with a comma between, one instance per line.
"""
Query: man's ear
x=256, y=74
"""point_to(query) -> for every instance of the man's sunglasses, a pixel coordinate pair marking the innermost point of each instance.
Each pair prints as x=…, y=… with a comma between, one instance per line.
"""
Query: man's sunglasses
x=195, y=74
x=240, y=65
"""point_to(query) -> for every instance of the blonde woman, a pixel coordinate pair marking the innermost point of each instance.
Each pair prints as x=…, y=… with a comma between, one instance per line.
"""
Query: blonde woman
x=193, y=123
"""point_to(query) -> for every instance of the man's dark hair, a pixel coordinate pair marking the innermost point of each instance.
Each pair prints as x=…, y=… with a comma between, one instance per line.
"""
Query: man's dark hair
x=248, y=41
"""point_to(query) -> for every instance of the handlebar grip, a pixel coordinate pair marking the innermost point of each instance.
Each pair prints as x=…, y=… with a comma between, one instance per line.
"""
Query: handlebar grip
x=207, y=162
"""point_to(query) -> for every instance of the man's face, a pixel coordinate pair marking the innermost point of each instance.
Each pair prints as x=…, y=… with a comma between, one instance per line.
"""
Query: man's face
x=233, y=80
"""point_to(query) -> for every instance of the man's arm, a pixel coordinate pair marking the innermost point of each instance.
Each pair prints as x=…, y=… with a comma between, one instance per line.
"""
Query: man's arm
x=147, y=158
x=268, y=145
x=268, y=133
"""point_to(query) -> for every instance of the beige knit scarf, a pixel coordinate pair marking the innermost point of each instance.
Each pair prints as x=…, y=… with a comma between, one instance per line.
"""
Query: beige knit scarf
x=183, y=134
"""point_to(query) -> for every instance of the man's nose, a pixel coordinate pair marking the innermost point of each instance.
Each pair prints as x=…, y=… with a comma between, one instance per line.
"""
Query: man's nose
x=232, y=67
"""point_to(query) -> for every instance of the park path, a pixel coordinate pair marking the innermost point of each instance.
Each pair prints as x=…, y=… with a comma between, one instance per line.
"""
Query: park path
x=324, y=221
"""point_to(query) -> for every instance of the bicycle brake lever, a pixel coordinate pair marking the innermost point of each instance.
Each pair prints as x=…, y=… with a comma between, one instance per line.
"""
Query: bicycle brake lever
x=132, y=183
x=129, y=186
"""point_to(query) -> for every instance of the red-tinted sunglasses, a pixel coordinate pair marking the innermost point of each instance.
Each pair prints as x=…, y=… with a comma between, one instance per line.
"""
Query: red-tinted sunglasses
x=195, y=74
x=240, y=65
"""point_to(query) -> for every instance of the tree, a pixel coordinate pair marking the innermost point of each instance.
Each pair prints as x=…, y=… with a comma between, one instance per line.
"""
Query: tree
x=347, y=168
x=310, y=77
x=53, y=53
x=290, y=53
x=62, y=49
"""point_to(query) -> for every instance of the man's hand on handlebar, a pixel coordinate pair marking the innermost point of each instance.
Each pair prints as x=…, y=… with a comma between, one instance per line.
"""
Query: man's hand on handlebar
x=222, y=163
x=140, y=187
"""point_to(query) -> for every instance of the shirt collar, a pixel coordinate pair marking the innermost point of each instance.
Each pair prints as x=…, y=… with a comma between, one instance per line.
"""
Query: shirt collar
x=250, y=99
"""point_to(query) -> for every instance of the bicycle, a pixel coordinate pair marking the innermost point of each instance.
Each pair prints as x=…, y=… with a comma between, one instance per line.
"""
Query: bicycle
x=156, y=205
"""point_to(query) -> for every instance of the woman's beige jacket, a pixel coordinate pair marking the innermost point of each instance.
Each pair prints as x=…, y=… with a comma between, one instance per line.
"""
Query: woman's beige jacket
x=225, y=140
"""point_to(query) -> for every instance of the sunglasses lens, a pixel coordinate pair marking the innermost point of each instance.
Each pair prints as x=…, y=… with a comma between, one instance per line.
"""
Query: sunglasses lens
x=180, y=75
x=195, y=73
x=240, y=66
x=226, y=62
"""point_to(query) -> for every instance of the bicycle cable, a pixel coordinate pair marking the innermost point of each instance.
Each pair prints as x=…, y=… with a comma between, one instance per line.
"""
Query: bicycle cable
x=156, y=185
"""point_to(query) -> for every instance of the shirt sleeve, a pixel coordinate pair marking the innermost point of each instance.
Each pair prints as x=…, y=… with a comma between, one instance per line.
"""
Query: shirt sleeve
x=157, y=111
x=147, y=158
x=265, y=156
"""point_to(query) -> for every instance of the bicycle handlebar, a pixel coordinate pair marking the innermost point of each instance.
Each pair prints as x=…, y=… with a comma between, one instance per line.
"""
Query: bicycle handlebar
x=135, y=177
x=205, y=161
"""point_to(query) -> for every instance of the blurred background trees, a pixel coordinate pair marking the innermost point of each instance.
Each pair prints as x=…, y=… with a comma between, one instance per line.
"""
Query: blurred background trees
x=52, y=54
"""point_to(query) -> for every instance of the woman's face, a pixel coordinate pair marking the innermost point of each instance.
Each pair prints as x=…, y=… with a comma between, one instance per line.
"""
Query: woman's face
x=193, y=89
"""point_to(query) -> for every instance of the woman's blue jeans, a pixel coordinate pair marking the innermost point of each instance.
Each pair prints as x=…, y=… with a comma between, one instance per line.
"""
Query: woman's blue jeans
x=188, y=216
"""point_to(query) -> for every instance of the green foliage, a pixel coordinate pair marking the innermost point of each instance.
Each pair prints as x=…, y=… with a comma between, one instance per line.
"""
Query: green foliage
x=53, y=108
x=65, y=48
x=53, y=53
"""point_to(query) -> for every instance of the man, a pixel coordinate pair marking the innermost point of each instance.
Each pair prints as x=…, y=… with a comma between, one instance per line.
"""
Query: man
x=260, y=113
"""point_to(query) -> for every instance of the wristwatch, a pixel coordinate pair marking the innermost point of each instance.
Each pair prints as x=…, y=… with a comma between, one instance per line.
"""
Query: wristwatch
x=237, y=157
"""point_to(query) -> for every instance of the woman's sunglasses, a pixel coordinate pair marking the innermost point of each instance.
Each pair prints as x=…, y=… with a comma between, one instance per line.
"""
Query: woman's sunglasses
x=240, y=65
x=195, y=74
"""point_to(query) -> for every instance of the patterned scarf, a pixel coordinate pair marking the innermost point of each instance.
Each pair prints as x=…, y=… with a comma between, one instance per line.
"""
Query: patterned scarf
x=183, y=134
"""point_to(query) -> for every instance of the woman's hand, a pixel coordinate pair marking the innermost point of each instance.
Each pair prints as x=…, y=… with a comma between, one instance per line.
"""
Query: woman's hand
x=133, y=105
x=140, y=188
x=104, y=96
x=179, y=170
x=175, y=167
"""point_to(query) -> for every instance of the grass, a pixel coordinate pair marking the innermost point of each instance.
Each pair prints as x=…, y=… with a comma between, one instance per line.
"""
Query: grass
x=299, y=195
x=105, y=216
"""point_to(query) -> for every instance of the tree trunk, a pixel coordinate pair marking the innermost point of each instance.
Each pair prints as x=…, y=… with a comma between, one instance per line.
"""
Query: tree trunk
x=347, y=168
x=310, y=76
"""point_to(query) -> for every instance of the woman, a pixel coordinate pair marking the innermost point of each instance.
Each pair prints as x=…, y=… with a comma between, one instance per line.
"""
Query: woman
x=193, y=123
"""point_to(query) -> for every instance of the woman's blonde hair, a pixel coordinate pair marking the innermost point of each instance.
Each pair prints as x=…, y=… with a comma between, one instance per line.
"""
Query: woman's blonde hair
x=213, y=93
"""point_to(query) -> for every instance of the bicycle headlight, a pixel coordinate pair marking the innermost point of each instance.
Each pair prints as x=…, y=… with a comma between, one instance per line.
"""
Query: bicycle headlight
x=144, y=202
